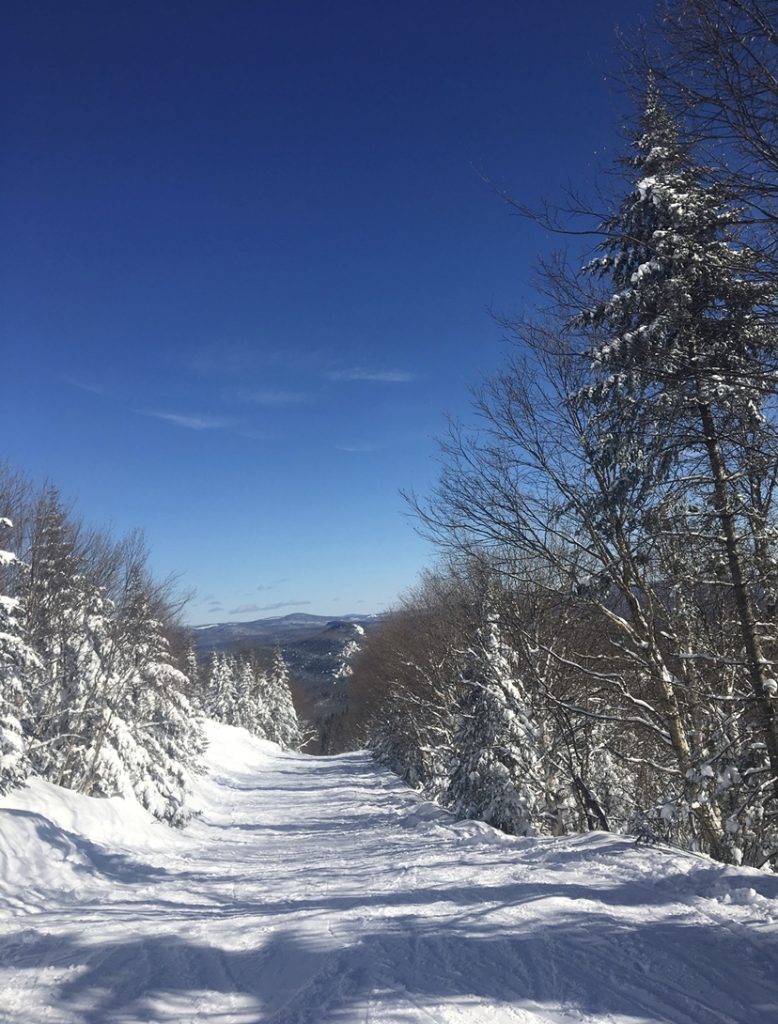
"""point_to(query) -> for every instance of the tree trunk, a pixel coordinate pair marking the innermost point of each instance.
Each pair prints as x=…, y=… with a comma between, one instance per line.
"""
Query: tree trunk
x=758, y=669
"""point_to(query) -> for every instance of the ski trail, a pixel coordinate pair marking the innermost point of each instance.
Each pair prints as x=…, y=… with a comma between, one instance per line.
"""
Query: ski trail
x=318, y=890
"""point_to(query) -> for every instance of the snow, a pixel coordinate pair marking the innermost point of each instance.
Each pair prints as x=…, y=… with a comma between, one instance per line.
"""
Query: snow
x=315, y=890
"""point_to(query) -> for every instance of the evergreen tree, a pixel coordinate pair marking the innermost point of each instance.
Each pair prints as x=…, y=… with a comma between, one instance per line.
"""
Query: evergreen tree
x=110, y=716
x=350, y=650
x=152, y=737
x=250, y=712
x=683, y=351
x=282, y=726
x=90, y=697
x=193, y=672
x=222, y=688
x=66, y=622
x=497, y=775
x=16, y=660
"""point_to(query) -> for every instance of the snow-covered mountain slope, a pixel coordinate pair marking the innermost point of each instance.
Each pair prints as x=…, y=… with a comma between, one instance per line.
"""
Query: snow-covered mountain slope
x=318, y=890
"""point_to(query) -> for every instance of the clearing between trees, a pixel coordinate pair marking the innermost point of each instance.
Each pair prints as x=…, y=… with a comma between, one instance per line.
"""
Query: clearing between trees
x=315, y=890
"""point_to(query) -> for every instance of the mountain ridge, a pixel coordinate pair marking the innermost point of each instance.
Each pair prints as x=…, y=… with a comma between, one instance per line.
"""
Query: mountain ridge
x=292, y=617
x=283, y=630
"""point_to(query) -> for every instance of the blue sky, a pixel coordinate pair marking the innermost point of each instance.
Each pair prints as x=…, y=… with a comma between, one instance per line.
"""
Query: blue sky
x=248, y=258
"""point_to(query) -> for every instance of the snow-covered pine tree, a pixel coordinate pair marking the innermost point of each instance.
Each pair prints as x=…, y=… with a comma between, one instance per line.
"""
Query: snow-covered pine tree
x=169, y=730
x=350, y=650
x=684, y=354
x=282, y=725
x=88, y=683
x=497, y=775
x=152, y=737
x=193, y=672
x=221, y=695
x=66, y=624
x=408, y=679
x=17, y=659
x=249, y=709
x=412, y=734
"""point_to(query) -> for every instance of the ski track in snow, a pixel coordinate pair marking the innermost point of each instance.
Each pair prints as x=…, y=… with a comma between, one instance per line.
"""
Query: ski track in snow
x=323, y=890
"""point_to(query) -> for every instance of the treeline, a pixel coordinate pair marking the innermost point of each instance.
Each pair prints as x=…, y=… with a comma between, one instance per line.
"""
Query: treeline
x=601, y=650
x=456, y=694
x=244, y=691
x=100, y=686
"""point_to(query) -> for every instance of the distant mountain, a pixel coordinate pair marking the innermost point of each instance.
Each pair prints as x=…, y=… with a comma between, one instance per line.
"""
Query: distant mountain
x=316, y=648
x=285, y=630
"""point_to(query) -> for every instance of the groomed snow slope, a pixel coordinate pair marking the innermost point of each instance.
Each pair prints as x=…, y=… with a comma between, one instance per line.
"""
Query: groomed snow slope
x=319, y=890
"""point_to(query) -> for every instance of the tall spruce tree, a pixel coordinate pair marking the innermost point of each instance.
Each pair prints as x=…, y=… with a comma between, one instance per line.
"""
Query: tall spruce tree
x=222, y=692
x=150, y=737
x=282, y=726
x=497, y=774
x=683, y=351
x=66, y=623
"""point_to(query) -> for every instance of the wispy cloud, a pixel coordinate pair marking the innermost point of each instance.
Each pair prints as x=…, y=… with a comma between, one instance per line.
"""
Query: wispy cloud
x=359, y=373
x=357, y=449
x=224, y=361
x=236, y=361
x=243, y=609
x=272, y=585
x=188, y=422
x=85, y=385
x=255, y=435
x=266, y=396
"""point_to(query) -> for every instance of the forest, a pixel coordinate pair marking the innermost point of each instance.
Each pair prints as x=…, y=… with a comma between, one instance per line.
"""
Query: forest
x=596, y=647
x=102, y=691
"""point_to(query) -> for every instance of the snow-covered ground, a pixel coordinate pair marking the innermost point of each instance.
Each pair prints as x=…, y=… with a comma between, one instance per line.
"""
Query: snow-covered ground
x=321, y=890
